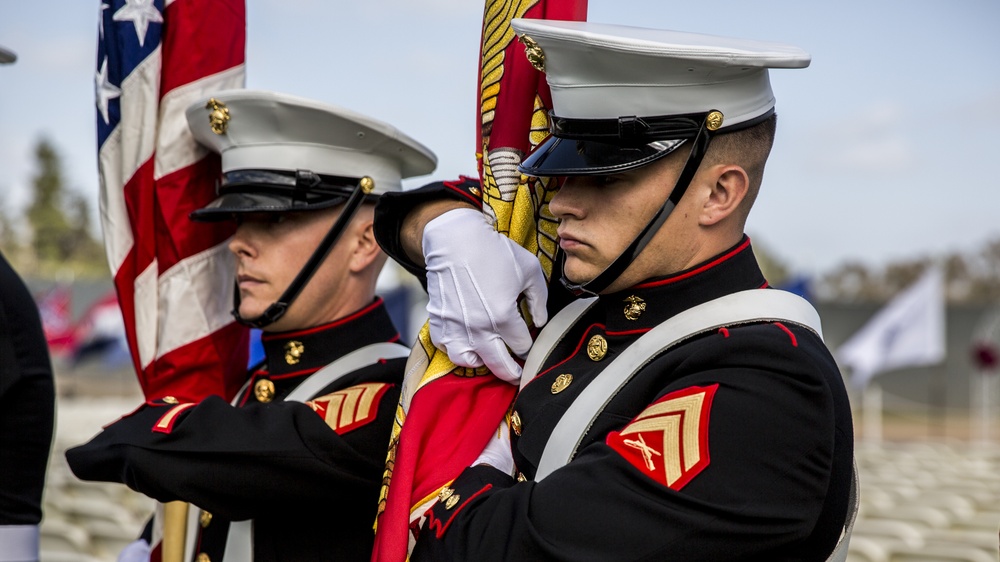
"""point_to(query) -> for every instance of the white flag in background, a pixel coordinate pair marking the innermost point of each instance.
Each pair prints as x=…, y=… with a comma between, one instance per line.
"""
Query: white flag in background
x=907, y=332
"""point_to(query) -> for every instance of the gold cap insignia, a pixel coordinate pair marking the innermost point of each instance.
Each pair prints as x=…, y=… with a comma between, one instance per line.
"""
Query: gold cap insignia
x=561, y=383
x=445, y=493
x=264, y=391
x=218, y=118
x=367, y=184
x=452, y=501
x=597, y=348
x=293, y=352
x=635, y=308
x=534, y=52
x=714, y=120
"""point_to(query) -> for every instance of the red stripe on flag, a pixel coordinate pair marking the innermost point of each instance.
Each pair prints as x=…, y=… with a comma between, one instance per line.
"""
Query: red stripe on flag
x=178, y=194
x=138, y=202
x=182, y=372
x=201, y=38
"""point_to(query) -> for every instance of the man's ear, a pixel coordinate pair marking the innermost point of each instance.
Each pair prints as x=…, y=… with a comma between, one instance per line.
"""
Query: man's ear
x=729, y=185
x=366, y=249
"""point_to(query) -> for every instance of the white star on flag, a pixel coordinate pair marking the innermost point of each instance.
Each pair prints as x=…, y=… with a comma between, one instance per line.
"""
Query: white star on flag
x=105, y=90
x=100, y=19
x=141, y=13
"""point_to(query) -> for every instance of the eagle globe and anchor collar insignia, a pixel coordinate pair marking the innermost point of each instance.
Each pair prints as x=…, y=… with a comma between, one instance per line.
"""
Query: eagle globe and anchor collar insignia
x=293, y=352
x=634, y=308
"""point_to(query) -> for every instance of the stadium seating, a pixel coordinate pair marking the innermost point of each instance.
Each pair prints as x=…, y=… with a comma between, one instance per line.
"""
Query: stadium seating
x=923, y=502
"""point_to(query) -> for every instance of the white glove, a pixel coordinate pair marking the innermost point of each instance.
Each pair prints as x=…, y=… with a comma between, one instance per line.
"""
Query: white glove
x=497, y=452
x=135, y=551
x=474, y=278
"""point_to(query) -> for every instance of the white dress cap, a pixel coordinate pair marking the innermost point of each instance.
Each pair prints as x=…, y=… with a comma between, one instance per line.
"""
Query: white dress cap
x=261, y=130
x=624, y=97
x=601, y=71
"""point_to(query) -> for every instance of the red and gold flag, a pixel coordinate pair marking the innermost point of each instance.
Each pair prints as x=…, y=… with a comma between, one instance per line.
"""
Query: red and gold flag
x=447, y=414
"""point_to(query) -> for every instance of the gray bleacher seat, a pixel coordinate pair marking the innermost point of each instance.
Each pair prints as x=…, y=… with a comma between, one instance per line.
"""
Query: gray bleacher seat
x=952, y=553
x=59, y=535
x=864, y=549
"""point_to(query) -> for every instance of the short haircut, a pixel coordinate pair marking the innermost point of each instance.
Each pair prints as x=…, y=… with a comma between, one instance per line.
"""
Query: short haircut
x=747, y=148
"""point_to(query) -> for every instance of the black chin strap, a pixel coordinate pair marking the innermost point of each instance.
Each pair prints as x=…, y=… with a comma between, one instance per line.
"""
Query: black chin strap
x=699, y=146
x=278, y=308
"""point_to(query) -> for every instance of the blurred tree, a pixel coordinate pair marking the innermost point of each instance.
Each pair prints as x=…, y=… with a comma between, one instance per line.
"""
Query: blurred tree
x=9, y=244
x=969, y=278
x=61, y=241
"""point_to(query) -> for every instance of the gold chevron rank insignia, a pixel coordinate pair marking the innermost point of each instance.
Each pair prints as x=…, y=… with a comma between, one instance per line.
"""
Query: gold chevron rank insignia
x=668, y=441
x=350, y=408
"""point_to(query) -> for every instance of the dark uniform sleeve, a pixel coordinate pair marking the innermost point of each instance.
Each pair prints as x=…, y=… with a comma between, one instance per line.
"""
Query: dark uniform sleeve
x=240, y=462
x=764, y=483
x=27, y=399
x=392, y=208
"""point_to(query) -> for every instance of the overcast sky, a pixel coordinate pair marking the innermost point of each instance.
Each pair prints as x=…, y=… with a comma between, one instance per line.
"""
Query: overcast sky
x=884, y=146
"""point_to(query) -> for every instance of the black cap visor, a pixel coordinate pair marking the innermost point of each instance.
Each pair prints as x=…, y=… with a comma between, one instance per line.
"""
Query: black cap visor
x=574, y=157
x=264, y=191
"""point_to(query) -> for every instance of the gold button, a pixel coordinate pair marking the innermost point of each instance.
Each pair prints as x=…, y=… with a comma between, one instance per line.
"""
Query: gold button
x=264, y=390
x=597, y=348
x=293, y=352
x=202, y=557
x=170, y=400
x=713, y=121
x=521, y=477
x=561, y=383
x=515, y=423
x=445, y=493
x=634, y=307
x=452, y=501
x=204, y=518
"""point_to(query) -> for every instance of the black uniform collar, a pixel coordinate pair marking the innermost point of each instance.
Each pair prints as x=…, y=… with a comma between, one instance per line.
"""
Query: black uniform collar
x=649, y=303
x=304, y=351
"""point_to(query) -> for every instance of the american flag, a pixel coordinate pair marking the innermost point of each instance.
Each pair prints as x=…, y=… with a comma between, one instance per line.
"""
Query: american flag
x=173, y=276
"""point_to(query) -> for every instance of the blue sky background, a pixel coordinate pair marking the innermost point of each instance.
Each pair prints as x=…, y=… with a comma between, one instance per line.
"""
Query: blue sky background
x=886, y=149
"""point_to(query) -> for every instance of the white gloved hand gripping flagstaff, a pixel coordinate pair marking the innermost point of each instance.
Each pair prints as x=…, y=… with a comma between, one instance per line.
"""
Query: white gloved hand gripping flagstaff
x=475, y=276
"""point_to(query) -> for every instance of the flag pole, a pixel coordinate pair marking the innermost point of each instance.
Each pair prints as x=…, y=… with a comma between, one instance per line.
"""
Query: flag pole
x=982, y=396
x=175, y=516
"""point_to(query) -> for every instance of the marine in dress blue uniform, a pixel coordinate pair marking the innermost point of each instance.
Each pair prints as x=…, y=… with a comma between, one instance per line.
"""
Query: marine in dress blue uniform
x=735, y=444
x=297, y=468
x=27, y=396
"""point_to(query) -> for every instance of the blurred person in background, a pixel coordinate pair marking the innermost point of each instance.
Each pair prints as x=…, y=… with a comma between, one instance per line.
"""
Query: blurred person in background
x=27, y=410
